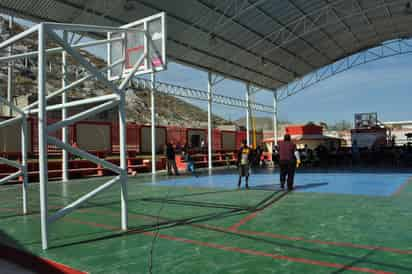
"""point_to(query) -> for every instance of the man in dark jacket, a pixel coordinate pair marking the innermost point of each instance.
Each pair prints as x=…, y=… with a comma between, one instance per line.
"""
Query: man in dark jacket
x=170, y=158
x=243, y=161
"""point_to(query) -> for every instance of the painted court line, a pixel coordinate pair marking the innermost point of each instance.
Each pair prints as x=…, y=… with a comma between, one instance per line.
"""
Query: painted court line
x=236, y=231
x=244, y=220
x=31, y=262
x=244, y=251
x=270, y=255
x=265, y=234
x=342, y=244
x=7, y=210
x=253, y=215
x=402, y=187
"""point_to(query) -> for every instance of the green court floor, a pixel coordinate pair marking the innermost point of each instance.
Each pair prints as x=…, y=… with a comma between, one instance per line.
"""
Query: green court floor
x=216, y=230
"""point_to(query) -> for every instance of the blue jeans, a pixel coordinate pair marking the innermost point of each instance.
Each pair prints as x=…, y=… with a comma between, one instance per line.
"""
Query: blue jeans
x=191, y=167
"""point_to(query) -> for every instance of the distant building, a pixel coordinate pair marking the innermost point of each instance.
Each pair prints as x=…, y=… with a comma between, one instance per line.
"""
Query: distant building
x=369, y=137
x=310, y=135
x=399, y=131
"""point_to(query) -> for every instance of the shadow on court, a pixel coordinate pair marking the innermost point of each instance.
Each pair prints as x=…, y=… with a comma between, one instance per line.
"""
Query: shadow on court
x=166, y=223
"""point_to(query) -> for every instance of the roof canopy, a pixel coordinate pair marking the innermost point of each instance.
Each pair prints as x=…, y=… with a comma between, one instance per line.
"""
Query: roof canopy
x=267, y=43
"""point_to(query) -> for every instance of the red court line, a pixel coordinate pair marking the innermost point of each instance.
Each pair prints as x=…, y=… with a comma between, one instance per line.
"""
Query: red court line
x=244, y=220
x=285, y=237
x=7, y=210
x=253, y=215
x=265, y=234
x=246, y=251
x=34, y=263
x=108, y=227
x=342, y=244
x=402, y=187
x=270, y=255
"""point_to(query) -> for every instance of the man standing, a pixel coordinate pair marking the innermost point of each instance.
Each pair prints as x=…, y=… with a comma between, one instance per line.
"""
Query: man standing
x=287, y=161
x=171, y=161
x=243, y=161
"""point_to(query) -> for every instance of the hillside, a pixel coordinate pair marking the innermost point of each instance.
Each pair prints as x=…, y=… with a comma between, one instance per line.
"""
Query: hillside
x=170, y=110
x=261, y=123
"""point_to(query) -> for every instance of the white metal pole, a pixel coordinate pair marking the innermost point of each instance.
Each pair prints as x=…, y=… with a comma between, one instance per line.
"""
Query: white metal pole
x=123, y=157
x=42, y=127
x=275, y=118
x=10, y=70
x=72, y=206
x=209, y=120
x=247, y=95
x=153, y=123
x=65, y=154
x=24, y=170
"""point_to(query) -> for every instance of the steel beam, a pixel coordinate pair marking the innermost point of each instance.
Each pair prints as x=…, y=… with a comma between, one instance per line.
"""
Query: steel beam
x=11, y=121
x=84, y=154
x=247, y=98
x=123, y=154
x=78, y=57
x=65, y=132
x=42, y=134
x=10, y=163
x=202, y=95
x=24, y=168
x=18, y=37
x=80, y=102
x=82, y=116
x=87, y=28
x=10, y=78
x=385, y=50
x=11, y=106
x=10, y=177
x=275, y=118
x=59, y=49
x=76, y=204
x=70, y=86
x=153, y=120
x=209, y=121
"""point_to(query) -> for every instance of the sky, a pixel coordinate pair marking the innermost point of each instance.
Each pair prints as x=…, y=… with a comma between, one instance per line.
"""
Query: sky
x=383, y=86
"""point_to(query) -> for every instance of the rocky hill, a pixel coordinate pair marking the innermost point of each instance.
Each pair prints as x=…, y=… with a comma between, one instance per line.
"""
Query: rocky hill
x=170, y=110
x=262, y=123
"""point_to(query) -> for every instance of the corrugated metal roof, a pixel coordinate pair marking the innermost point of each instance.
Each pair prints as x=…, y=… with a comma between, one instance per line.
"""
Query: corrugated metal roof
x=265, y=42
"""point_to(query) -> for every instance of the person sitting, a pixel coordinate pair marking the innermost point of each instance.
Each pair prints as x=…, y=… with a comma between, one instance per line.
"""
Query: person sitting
x=189, y=161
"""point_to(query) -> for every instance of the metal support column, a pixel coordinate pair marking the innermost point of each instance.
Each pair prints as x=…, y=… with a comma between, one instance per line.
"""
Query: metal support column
x=247, y=95
x=123, y=156
x=42, y=125
x=24, y=170
x=275, y=118
x=10, y=84
x=65, y=154
x=153, y=123
x=209, y=120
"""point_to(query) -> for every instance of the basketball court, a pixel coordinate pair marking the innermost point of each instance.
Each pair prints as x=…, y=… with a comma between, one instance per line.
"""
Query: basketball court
x=333, y=222
x=207, y=225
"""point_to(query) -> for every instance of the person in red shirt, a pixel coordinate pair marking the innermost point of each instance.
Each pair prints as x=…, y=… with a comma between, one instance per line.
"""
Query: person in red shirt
x=287, y=161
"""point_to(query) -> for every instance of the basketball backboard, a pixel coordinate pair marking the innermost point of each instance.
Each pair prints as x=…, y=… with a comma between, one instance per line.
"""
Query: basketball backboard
x=145, y=37
x=366, y=120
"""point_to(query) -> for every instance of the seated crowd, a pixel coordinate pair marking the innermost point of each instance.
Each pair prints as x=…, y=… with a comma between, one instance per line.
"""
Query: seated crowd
x=375, y=156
